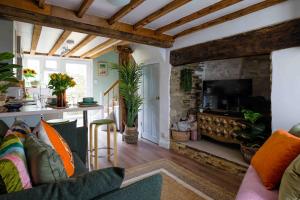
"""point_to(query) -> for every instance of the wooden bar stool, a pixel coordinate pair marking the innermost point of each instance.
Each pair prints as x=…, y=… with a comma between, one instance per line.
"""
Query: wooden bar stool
x=96, y=124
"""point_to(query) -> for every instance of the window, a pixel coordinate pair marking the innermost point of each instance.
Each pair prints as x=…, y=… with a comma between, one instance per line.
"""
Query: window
x=51, y=66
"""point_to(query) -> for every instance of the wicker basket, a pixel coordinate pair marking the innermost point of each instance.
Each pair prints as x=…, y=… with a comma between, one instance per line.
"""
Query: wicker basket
x=181, y=136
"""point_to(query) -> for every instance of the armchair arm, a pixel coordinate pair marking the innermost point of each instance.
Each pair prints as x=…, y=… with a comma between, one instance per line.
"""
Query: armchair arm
x=146, y=189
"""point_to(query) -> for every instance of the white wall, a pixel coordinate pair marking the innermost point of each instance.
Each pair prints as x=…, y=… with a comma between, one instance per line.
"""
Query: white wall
x=266, y=17
x=151, y=55
x=285, y=88
x=7, y=36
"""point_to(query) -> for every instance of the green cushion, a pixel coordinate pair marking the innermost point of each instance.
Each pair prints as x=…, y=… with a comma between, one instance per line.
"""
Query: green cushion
x=295, y=130
x=45, y=165
x=289, y=186
x=87, y=186
x=103, y=121
x=3, y=128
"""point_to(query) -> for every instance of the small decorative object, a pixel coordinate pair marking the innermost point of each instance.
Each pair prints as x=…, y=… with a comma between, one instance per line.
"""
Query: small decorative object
x=59, y=83
x=130, y=77
x=186, y=80
x=87, y=102
x=29, y=75
x=7, y=75
x=253, y=136
x=102, y=69
x=35, y=83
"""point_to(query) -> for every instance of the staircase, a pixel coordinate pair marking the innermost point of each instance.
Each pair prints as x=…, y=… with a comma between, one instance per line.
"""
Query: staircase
x=111, y=103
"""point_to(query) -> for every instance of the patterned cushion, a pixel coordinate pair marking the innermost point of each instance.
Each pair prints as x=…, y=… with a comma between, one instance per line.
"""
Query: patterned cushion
x=20, y=128
x=50, y=136
x=44, y=163
x=13, y=170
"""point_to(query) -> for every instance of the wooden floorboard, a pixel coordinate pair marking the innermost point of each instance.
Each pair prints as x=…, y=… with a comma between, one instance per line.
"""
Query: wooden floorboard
x=144, y=151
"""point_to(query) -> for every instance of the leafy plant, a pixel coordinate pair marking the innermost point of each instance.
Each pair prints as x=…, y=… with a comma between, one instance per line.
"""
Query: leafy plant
x=60, y=82
x=255, y=133
x=7, y=75
x=130, y=78
x=186, y=80
x=251, y=116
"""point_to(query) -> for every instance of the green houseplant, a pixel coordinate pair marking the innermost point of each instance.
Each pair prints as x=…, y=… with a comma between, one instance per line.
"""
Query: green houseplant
x=254, y=135
x=186, y=80
x=130, y=78
x=7, y=75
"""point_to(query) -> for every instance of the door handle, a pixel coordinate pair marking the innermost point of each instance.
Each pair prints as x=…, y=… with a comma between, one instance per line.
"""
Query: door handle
x=157, y=97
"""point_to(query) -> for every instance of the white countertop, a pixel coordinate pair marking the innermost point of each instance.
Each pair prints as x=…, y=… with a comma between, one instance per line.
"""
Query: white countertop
x=28, y=110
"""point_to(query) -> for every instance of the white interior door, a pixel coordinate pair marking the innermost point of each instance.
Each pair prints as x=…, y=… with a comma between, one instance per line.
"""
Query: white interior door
x=150, y=109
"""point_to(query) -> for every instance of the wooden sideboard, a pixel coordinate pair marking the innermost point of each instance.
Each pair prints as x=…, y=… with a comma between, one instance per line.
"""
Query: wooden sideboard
x=219, y=127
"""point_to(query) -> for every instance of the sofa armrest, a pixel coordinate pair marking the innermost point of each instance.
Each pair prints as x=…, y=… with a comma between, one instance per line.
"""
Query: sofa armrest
x=146, y=189
x=81, y=149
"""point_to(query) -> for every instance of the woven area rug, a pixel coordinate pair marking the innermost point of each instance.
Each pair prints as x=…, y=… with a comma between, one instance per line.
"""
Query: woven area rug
x=178, y=182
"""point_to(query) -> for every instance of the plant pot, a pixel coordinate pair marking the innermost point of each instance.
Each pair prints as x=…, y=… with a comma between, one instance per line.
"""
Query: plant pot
x=2, y=99
x=61, y=99
x=131, y=135
x=248, y=152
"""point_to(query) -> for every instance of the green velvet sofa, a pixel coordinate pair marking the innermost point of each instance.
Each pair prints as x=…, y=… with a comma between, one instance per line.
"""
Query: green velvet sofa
x=84, y=185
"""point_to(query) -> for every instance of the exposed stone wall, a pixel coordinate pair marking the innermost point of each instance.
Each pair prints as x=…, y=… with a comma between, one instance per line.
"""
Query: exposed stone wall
x=182, y=102
x=256, y=68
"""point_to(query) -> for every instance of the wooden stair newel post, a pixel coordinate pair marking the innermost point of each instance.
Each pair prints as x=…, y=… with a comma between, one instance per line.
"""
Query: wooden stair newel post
x=124, y=58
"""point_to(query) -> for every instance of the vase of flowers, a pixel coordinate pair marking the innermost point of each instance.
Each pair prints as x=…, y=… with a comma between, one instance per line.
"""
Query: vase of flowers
x=28, y=74
x=59, y=83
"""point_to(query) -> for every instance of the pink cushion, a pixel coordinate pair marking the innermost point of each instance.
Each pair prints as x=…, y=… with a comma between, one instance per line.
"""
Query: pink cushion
x=253, y=189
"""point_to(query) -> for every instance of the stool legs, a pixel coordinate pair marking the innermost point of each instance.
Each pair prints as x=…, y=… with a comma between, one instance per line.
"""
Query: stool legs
x=96, y=146
x=91, y=145
x=108, y=142
x=115, y=145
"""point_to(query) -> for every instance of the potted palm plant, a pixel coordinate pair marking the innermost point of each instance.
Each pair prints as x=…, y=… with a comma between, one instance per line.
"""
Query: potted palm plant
x=254, y=135
x=130, y=77
x=7, y=75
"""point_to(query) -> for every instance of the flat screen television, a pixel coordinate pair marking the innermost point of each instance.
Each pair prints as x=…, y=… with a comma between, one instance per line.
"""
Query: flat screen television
x=226, y=94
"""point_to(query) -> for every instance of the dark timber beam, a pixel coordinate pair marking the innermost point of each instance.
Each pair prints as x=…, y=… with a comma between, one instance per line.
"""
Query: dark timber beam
x=124, y=11
x=257, y=42
x=58, y=17
x=84, y=7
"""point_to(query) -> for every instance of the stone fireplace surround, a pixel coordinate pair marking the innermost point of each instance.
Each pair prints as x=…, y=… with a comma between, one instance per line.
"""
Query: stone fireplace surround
x=257, y=68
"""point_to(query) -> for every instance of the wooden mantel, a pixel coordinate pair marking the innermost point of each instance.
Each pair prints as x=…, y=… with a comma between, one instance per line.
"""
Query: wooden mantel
x=257, y=42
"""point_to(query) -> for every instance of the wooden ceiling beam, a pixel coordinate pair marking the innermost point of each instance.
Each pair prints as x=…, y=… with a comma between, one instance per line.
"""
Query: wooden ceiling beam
x=231, y=16
x=196, y=15
x=58, y=17
x=111, y=48
x=253, y=43
x=59, y=42
x=84, y=7
x=41, y=3
x=37, y=29
x=99, y=47
x=81, y=44
x=124, y=11
x=161, y=12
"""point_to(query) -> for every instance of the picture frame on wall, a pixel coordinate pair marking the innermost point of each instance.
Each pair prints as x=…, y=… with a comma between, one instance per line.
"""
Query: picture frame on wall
x=102, y=68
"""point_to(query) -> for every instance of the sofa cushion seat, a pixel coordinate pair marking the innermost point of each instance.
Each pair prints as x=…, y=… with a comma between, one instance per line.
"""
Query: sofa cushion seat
x=253, y=189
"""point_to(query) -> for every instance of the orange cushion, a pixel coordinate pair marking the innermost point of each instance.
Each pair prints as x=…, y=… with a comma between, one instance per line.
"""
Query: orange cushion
x=51, y=137
x=275, y=155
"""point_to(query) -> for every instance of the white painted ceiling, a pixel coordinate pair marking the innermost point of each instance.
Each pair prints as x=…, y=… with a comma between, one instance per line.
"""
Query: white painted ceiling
x=103, y=8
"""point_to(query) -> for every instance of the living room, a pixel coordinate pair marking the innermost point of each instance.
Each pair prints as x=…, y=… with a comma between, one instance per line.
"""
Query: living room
x=215, y=91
